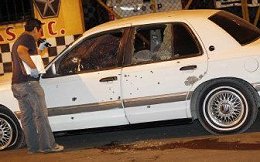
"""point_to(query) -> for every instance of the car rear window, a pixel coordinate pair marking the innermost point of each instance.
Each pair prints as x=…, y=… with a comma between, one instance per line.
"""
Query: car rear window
x=238, y=28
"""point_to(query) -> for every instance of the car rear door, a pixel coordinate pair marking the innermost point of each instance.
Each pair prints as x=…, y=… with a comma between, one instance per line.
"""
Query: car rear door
x=167, y=59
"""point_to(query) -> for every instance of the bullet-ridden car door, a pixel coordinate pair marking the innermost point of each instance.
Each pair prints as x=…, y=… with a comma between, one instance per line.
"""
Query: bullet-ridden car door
x=166, y=60
x=85, y=92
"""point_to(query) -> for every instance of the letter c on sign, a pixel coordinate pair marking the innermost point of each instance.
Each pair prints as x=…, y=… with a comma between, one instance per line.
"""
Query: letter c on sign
x=50, y=28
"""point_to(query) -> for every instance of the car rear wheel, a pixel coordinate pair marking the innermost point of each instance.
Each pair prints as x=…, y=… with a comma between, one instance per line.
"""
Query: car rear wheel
x=227, y=106
x=11, y=135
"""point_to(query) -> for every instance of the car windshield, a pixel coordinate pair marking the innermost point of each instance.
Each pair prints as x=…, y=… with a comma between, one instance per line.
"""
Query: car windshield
x=238, y=28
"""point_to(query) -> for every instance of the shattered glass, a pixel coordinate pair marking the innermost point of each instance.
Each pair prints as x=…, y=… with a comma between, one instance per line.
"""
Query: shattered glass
x=92, y=54
x=165, y=42
x=157, y=47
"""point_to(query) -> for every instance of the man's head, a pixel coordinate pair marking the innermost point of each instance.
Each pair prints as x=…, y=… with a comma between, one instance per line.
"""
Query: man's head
x=34, y=26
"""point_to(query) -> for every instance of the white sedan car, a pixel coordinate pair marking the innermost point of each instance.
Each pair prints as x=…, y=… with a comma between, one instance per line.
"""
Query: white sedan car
x=196, y=64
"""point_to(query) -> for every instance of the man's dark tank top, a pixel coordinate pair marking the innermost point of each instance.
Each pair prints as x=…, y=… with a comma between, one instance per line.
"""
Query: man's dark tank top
x=19, y=74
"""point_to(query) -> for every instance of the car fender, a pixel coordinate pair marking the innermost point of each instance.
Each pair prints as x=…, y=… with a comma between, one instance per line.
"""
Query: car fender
x=7, y=99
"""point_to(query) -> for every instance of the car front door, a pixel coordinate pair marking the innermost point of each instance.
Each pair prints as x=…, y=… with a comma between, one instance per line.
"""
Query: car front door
x=166, y=60
x=85, y=93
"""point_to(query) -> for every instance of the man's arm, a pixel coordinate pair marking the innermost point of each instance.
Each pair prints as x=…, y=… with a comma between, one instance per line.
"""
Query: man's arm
x=25, y=56
x=41, y=52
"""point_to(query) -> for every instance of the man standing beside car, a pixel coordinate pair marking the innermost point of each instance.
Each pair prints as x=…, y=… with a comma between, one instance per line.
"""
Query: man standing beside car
x=29, y=93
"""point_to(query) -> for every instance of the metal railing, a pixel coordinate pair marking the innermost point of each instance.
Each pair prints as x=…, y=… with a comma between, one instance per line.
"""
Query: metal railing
x=15, y=11
x=247, y=9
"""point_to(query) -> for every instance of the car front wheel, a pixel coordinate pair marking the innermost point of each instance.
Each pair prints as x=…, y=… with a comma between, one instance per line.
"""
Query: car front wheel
x=11, y=135
x=227, y=106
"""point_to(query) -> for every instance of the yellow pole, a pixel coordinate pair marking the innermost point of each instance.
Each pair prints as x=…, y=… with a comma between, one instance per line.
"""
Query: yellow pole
x=109, y=9
x=154, y=3
x=257, y=16
x=188, y=4
x=244, y=6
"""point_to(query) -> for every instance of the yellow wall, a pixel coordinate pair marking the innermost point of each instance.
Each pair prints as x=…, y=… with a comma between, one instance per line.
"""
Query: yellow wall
x=68, y=22
x=73, y=16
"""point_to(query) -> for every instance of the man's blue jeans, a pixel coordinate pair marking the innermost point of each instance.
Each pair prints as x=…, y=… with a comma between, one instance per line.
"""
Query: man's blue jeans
x=34, y=116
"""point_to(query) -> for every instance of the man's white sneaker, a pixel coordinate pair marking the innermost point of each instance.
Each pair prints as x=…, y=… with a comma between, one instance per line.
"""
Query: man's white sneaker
x=56, y=148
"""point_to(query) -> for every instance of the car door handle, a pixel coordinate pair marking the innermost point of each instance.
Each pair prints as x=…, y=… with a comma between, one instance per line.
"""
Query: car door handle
x=112, y=78
x=190, y=67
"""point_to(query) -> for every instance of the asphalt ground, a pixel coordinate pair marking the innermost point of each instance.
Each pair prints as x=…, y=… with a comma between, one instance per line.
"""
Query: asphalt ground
x=185, y=142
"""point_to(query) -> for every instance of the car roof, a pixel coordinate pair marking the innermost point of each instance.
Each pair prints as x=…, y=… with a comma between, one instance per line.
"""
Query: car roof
x=148, y=19
x=151, y=18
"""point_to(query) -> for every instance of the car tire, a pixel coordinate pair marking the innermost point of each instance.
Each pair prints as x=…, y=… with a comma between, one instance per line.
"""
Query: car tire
x=226, y=105
x=11, y=134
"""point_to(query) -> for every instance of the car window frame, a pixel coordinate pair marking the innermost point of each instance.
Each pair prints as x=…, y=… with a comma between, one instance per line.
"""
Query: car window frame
x=58, y=61
x=196, y=40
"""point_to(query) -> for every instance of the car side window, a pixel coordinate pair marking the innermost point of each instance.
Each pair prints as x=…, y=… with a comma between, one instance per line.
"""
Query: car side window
x=148, y=41
x=185, y=43
x=161, y=42
x=92, y=54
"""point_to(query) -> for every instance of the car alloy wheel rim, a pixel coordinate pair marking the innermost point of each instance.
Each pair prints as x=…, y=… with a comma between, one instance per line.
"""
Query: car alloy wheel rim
x=225, y=108
x=6, y=134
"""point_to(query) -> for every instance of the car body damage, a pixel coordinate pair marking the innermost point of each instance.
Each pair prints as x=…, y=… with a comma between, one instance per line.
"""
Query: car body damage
x=157, y=67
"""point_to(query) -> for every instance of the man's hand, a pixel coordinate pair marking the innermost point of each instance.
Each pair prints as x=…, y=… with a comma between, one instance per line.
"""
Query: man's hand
x=34, y=73
x=44, y=44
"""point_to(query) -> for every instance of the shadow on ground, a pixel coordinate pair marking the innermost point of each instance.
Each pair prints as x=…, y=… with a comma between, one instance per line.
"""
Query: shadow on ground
x=123, y=139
